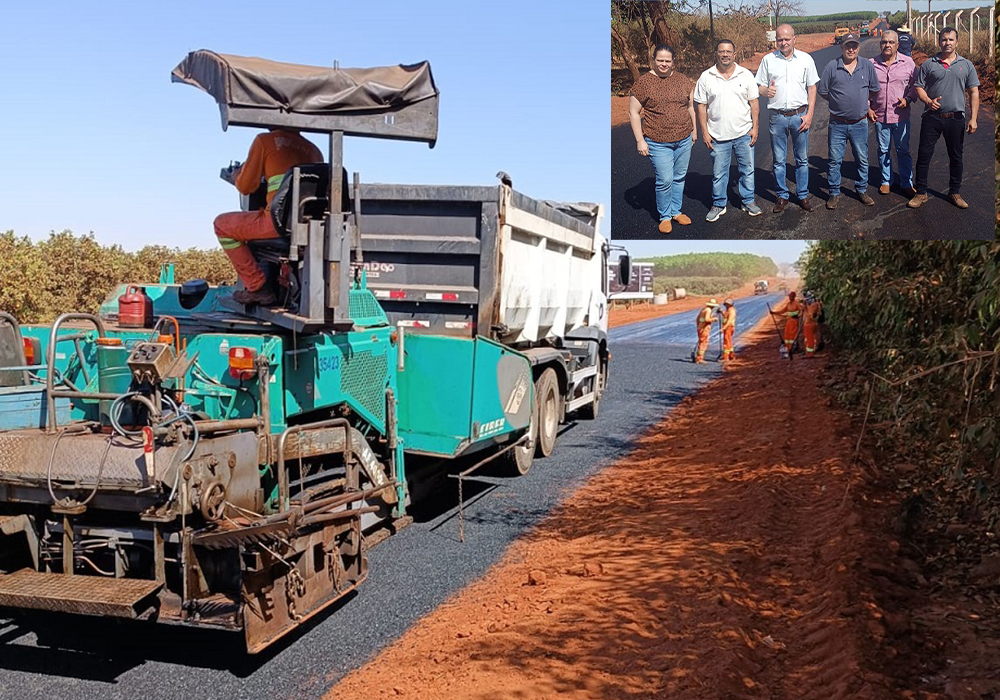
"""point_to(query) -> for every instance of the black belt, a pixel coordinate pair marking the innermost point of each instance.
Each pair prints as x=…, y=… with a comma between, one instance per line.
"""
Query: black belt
x=841, y=120
x=949, y=115
x=791, y=112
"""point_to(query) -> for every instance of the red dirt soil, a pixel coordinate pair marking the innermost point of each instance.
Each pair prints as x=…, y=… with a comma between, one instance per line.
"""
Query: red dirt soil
x=723, y=558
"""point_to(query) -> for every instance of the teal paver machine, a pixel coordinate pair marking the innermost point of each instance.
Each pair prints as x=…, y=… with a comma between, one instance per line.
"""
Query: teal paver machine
x=229, y=467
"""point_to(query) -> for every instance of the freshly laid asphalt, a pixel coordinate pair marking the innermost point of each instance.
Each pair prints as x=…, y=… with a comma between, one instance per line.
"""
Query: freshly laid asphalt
x=633, y=205
x=411, y=573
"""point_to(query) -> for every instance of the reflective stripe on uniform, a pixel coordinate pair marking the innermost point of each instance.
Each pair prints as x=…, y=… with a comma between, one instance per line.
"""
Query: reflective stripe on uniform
x=229, y=243
x=274, y=182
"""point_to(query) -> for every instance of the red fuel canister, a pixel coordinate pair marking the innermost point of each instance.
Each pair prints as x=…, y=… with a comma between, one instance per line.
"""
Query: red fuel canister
x=135, y=308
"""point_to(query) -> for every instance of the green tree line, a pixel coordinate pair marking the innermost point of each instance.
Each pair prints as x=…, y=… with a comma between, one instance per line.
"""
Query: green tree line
x=39, y=281
x=840, y=17
x=740, y=266
x=921, y=320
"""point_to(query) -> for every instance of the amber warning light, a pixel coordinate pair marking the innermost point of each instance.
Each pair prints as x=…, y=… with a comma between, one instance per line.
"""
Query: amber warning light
x=241, y=363
x=31, y=352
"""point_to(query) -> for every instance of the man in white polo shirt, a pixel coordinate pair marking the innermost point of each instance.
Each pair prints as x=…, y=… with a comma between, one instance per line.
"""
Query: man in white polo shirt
x=788, y=79
x=726, y=100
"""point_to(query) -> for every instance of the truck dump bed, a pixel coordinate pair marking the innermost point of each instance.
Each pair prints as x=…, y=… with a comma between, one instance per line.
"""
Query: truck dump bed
x=463, y=261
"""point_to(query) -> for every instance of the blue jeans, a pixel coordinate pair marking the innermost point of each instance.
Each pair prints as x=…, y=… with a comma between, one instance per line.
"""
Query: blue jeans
x=721, y=157
x=670, y=163
x=781, y=127
x=898, y=134
x=839, y=135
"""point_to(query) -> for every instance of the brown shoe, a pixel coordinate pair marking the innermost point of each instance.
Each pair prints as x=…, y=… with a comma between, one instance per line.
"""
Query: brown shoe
x=780, y=205
x=866, y=199
x=807, y=204
x=883, y=189
x=833, y=201
x=260, y=297
x=683, y=219
x=957, y=200
x=665, y=226
x=917, y=200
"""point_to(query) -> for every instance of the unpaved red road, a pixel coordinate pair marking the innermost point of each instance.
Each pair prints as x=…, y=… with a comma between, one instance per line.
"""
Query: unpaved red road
x=724, y=558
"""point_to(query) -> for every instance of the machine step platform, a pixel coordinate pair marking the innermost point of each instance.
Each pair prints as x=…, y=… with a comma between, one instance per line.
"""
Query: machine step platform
x=83, y=595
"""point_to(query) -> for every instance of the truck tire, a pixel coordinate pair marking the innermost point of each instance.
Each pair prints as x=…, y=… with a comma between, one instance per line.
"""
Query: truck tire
x=590, y=411
x=518, y=461
x=549, y=407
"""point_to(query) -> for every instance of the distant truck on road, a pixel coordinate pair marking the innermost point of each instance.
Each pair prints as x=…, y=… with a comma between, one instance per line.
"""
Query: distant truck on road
x=760, y=287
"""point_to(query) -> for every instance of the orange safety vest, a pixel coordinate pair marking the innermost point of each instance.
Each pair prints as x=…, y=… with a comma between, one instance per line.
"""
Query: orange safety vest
x=791, y=309
x=729, y=318
x=270, y=157
x=813, y=311
x=705, y=317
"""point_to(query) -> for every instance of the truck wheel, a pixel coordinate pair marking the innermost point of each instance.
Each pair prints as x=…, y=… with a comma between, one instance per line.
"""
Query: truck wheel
x=549, y=404
x=517, y=462
x=591, y=410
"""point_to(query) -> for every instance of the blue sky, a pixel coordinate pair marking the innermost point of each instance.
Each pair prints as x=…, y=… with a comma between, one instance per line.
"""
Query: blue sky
x=95, y=137
x=778, y=251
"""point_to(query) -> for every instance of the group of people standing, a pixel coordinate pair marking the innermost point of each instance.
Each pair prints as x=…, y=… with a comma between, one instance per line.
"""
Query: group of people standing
x=667, y=109
x=808, y=312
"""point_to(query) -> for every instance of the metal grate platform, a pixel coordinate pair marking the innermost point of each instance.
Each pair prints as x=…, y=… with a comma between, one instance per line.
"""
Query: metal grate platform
x=83, y=595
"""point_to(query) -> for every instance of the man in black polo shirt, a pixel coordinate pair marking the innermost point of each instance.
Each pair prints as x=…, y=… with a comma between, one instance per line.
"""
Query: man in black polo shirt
x=941, y=84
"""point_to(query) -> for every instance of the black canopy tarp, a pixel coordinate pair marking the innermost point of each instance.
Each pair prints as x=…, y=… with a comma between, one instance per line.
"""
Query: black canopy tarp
x=259, y=92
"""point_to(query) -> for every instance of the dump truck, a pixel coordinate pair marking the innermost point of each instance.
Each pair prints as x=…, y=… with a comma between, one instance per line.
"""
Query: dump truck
x=760, y=287
x=179, y=458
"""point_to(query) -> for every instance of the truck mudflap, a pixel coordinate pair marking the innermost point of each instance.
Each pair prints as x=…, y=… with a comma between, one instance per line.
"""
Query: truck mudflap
x=83, y=595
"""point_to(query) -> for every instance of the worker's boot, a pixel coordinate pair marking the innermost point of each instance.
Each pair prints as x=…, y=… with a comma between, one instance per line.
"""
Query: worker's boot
x=259, y=297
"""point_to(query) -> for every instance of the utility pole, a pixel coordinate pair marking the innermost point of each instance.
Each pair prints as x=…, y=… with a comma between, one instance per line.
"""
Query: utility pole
x=711, y=22
x=909, y=14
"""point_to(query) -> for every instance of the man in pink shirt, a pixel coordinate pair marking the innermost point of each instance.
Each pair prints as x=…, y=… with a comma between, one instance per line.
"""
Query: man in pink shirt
x=889, y=109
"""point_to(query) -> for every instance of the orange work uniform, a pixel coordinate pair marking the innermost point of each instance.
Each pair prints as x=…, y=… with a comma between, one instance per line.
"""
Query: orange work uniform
x=704, y=324
x=270, y=157
x=791, y=310
x=810, y=327
x=728, y=328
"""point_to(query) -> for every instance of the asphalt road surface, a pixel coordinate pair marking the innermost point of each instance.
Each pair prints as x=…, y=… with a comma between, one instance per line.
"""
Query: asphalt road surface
x=411, y=573
x=633, y=205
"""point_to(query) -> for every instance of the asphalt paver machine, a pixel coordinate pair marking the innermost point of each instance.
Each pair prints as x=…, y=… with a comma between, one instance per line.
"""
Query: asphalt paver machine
x=228, y=467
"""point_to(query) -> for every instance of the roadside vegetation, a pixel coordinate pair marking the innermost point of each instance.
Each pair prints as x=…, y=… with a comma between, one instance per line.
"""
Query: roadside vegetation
x=917, y=325
x=708, y=273
x=41, y=280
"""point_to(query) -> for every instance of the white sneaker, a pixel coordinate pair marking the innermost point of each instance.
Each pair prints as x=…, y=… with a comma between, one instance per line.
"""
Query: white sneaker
x=715, y=212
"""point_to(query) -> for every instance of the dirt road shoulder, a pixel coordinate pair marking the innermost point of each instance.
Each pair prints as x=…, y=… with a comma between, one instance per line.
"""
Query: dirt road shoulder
x=722, y=558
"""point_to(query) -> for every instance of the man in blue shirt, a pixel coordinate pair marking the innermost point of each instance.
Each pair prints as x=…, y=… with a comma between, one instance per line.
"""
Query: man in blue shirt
x=846, y=84
x=905, y=39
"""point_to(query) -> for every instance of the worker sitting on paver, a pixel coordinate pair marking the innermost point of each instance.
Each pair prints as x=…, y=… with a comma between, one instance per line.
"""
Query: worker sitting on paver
x=271, y=155
x=728, y=328
x=811, y=316
x=706, y=317
x=791, y=309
